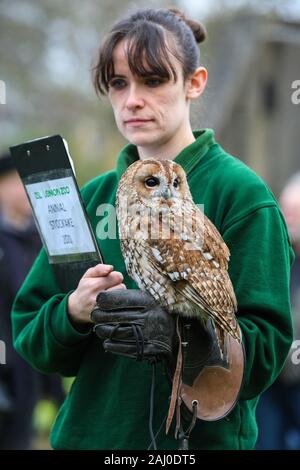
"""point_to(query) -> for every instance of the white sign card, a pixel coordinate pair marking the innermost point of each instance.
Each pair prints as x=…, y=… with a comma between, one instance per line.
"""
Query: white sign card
x=60, y=216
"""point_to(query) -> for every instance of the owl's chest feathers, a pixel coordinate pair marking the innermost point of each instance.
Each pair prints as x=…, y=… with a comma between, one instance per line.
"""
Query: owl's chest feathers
x=149, y=276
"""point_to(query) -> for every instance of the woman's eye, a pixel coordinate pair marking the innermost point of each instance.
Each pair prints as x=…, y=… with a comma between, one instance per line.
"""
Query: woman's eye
x=153, y=82
x=117, y=83
x=151, y=182
x=176, y=183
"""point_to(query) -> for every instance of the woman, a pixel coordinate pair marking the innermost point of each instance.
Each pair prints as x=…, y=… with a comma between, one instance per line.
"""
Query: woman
x=149, y=65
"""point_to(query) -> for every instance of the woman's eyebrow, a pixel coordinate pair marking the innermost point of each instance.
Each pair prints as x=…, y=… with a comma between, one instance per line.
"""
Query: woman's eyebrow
x=119, y=75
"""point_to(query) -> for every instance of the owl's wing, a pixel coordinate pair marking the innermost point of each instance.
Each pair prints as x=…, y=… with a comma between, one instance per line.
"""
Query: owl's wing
x=197, y=264
x=204, y=232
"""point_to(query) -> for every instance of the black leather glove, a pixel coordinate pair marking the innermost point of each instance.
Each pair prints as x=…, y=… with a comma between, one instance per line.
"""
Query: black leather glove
x=132, y=324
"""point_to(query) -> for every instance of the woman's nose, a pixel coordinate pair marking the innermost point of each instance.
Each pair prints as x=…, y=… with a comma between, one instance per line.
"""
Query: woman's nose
x=134, y=98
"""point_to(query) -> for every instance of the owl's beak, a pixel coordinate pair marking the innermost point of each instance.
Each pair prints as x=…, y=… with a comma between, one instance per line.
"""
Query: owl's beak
x=166, y=193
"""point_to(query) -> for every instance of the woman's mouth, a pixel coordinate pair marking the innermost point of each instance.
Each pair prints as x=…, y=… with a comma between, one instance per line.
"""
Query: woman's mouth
x=137, y=122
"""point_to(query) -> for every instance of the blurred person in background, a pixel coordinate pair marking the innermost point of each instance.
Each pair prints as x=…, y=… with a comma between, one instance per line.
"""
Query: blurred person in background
x=278, y=412
x=20, y=385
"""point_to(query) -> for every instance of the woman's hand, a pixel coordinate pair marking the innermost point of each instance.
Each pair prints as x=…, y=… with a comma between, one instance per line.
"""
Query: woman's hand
x=97, y=279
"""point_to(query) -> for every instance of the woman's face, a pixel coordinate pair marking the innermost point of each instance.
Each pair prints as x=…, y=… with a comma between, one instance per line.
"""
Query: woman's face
x=150, y=112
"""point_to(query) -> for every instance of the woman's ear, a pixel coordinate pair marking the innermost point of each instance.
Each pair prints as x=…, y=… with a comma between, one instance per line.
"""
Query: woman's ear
x=196, y=83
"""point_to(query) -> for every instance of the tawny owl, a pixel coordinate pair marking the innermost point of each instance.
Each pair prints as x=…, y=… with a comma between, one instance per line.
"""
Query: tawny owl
x=171, y=249
x=175, y=253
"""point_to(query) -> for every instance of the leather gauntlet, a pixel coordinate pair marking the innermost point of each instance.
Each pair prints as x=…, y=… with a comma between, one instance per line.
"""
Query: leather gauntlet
x=131, y=324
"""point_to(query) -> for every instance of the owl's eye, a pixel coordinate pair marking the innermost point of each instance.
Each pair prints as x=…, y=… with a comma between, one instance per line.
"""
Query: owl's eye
x=176, y=183
x=151, y=182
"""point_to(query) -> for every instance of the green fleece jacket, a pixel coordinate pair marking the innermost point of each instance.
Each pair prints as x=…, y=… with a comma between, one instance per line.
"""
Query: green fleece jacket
x=108, y=404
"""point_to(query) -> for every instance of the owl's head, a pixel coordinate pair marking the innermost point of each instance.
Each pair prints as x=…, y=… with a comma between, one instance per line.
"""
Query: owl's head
x=160, y=180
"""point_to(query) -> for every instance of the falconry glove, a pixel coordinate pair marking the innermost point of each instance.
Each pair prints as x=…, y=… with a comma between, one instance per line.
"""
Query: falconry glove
x=132, y=324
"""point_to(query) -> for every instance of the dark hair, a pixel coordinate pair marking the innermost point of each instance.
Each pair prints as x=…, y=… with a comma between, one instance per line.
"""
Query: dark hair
x=148, y=51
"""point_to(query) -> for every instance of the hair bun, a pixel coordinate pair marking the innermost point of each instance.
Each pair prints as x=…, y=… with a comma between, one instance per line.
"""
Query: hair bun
x=198, y=30
x=197, y=27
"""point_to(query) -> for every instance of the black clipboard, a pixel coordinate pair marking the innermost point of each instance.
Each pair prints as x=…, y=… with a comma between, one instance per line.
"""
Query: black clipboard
x=47, y=172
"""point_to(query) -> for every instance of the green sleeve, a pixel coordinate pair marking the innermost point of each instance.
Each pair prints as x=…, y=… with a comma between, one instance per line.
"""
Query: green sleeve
x=42, y=332
x=259, y=268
